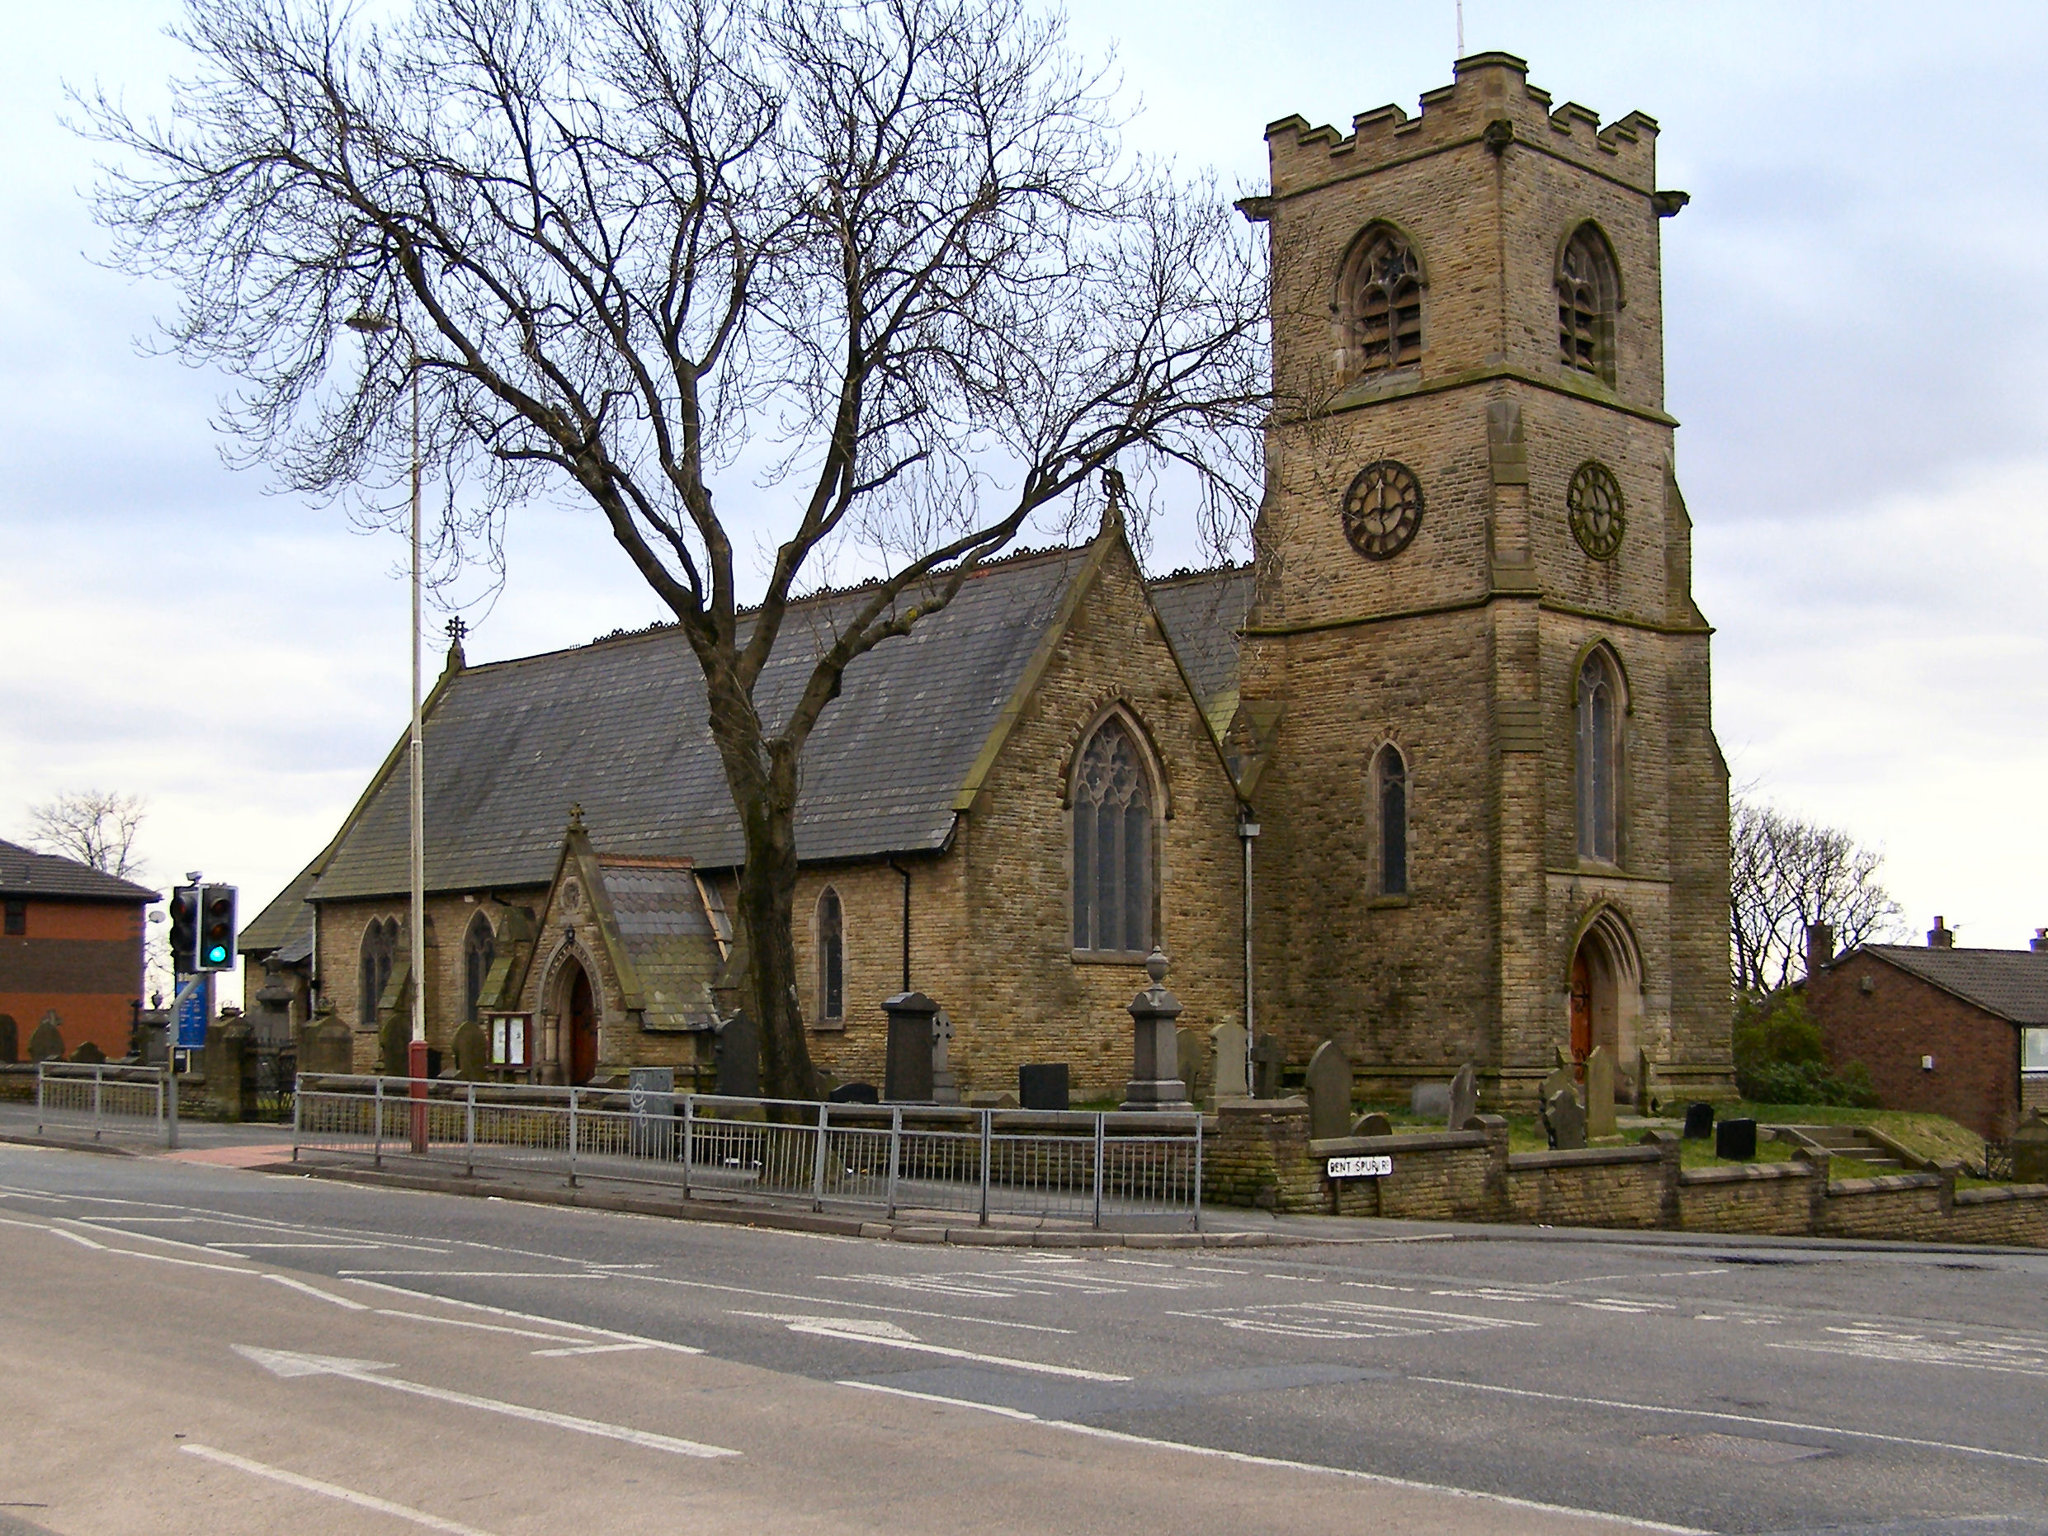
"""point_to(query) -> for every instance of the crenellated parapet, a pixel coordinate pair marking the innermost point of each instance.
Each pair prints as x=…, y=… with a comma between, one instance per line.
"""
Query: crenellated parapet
x=1490, y=102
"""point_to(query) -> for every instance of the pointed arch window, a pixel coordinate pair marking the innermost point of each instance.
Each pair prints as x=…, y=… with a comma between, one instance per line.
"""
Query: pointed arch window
x=1600, y=711
x=831, y=958
x=1385, y=302
x=1588, y=294
x=380, y=946
x=1391, y=772
x=1113, y=860
x=479, y=951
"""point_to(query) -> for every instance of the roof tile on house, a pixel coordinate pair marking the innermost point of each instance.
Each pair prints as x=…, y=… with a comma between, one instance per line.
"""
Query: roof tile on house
x=2011, y=983
x=1202, y=614
x=24, y=872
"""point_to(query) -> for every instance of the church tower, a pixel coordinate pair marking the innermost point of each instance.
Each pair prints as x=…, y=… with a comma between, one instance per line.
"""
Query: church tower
x=1475, y=722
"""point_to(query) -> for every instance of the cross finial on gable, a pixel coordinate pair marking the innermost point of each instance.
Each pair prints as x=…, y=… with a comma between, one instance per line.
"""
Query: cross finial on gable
x=1113, y=489
x=576, y=817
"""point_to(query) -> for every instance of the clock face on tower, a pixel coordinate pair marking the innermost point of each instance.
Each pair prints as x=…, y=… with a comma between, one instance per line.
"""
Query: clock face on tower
x=1598, y=515
x=1382, y=509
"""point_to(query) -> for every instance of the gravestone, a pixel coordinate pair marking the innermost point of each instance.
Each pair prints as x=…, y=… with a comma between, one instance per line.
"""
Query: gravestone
x=1329, y=1092
x=90, y=1054
x=1372, y=1124
x=737, y=1053
x=1155, y=1081
x=985, y=1100
x=1269, y=1061
x=394, y=1039
x=855, y=1093
x=1226, y=1044
x=945, y=1086
x=1699, y=1122
x=326, y=1044
x=472, y=1053
x=1565, y=1118
x=1464, y=1098
x=1193, y=1070
x=1648, y=1100
x=907, y=1072
x=1430, y=1101
x=1600, y=1093
x=2029, y=1145
x=1043, y=1085
x=1560, y=1079
x=47, y=1043
x=10, y=1040
x=1735, y=1140
x=651, y=1101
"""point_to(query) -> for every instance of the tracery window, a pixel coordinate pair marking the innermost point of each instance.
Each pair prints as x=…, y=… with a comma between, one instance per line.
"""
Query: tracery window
x=831, y=957
x=1392, y=774
x=1113, y=869
x=1588, y=294
x=1386, y=304
x=1599, y=758
x=380, y=945
x=479, y=950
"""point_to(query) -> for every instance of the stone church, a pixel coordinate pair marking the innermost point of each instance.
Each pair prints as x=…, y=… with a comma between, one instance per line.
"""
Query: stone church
x=1434, y=776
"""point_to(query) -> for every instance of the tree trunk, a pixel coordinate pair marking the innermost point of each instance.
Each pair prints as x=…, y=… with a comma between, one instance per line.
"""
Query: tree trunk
x=767, y=895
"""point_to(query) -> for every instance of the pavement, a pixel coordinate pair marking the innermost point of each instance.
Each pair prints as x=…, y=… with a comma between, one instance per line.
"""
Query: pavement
x=208, y=1347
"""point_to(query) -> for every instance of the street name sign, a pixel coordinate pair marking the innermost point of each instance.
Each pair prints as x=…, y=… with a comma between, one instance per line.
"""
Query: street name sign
x=1376, y=1167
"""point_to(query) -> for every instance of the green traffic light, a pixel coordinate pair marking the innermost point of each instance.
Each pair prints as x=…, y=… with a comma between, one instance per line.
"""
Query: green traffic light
x=216, y=954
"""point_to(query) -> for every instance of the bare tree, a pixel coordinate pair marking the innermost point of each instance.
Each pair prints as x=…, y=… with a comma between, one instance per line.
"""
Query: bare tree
x=94, y=826
x=1786, y=874
x=894, y=249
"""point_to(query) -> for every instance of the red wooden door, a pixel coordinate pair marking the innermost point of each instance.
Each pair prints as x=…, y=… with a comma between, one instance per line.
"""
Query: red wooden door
x=1582, y=1011
x=582, y=1029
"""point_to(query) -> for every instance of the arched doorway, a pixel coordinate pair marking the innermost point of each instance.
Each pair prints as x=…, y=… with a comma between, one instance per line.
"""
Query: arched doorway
x=579, y=1014
x=1605, y=986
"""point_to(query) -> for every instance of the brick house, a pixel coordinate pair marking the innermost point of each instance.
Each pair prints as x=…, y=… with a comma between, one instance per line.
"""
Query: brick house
x=1460, y=696
x=70, y=943
x=1956, y=1032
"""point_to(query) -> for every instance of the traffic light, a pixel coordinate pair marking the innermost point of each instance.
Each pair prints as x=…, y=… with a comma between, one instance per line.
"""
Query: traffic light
x=217, y=928
x=185, y=929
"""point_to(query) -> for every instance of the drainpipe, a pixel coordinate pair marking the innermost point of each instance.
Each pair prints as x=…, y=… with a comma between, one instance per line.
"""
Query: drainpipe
x=1247, y=831
x=906, y=921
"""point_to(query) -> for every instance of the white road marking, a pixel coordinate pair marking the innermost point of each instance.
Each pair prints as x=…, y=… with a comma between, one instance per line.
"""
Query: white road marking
x=314, y=1290
x=470, y=1322
x=223, y=1247
x=589, y=1349
x=1652, y=1274
x=1731, y=1418
x=332, y=1491
x=1338, y=1319
x=889, y=1336
x=530, y=1317
x=79, y=1238
x=482, y=1274
x=833, y=1301
x=290, y=1364
x=1244, y=1458
x=1968, y=1354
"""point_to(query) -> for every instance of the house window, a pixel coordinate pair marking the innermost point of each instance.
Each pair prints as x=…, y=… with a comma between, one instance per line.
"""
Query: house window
x=380, y=945
x=1599, y=758
x=1392, y=773
x=17, y=919
x=1588, y=294
x=1386, y=304
x=479, y=950
x=1112, y=845
x=831, y=958
x=2034, y=1050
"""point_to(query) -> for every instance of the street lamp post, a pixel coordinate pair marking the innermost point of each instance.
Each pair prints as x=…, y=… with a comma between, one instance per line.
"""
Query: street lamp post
x=416, y=1052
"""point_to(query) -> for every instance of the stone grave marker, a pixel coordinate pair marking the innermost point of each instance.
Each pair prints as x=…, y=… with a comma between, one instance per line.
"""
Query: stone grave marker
x=1560, y=1079
x=47, y=1043
x=1464, y=1098
x=1735, y=1140
x=1226, y=1042
x=1699, y=1122
x=1565, y=1118
x=90, y=1054
x=1269, y=1060
x=327, y=1044
x=1648, y=1100
x=738, y=1054
x=1600, y=1093
x=1430, y=1101
x=985, y=1100
x=1373, y=1123
x=945, y=1086
x=10, y=1039
x=907, y=1069
x=472, y=1053
x=1043, y=1085
x=1193, y=1070
x=1155, y=1051
x=2029, y=1145
x=1329, y=1091
x=855, y=1093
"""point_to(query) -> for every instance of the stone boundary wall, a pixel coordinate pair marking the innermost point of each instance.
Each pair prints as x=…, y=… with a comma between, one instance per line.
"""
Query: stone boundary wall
x=1260, y=1154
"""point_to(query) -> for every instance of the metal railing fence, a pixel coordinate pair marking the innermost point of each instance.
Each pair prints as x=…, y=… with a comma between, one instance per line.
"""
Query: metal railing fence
x=108, y=1099
x=1077, y=1166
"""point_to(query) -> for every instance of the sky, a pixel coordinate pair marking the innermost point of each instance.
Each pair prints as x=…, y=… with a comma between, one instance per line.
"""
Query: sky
x=1856, y=317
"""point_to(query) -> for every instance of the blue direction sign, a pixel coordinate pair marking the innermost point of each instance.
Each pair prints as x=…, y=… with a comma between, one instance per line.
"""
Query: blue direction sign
x=191, y=1010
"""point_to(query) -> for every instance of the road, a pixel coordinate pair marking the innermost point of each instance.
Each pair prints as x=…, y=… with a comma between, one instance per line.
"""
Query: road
x=206, y=1349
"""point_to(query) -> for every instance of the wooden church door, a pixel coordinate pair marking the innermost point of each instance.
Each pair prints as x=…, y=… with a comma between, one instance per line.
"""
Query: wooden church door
x=582, y=1029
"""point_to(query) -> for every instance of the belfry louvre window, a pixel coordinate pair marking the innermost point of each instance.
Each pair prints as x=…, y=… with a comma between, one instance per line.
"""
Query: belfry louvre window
x=1588, y=293
x=1386, y=305
x=1112, y=845
x=17, y=919
x=1599, y=766
x=380, y=945
x=831, y=957
x=1393, y=791
x=479, y=950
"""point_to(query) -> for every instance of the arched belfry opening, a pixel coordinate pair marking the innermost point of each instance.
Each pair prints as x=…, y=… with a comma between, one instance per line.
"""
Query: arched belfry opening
x=1605, y=992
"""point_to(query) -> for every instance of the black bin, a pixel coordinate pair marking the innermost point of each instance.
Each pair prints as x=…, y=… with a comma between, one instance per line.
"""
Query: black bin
x=1735, y=1140
x=1042, y=1085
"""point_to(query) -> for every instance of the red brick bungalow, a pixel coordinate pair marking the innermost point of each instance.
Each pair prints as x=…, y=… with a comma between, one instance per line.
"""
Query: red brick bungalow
x=1956, y=1032
x=70, y=942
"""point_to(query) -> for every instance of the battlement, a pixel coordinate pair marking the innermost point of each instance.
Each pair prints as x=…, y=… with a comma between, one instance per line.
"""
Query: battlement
x=1489, y=101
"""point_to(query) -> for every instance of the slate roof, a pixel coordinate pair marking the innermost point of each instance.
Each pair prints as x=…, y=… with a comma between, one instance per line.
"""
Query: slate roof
x=1202, y=614
x=24, y=872
x=2011, y=983
x=285, y=927
x=667, y=935
x=619, y=727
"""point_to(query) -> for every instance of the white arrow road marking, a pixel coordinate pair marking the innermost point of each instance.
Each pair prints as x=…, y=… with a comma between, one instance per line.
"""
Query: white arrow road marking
x=332, y=1491
x=856, y=1330
x=289, y=1363
x=314, y=1290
